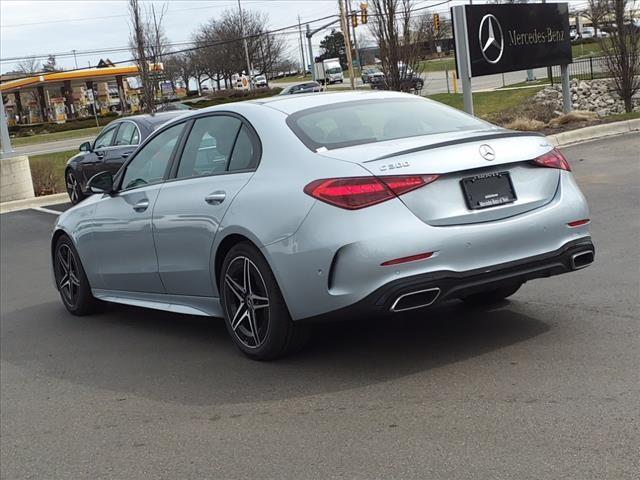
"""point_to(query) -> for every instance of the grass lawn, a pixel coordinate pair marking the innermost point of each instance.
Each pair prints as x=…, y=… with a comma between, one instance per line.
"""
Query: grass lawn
x=295, y=78
x=488, y=103
x=47, y=172
x=586, y=50
x=438, y=65
x=623, y=116
x=51, y=137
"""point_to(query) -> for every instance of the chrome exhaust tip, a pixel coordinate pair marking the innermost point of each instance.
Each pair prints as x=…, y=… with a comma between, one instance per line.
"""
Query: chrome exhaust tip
x=413, y=300
x=582, y=259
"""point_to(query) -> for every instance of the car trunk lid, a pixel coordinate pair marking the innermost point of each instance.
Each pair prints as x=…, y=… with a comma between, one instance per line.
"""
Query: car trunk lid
x=503, y=174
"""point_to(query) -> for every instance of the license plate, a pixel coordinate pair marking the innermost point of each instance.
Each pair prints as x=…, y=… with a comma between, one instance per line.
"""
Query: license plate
x=488, y=190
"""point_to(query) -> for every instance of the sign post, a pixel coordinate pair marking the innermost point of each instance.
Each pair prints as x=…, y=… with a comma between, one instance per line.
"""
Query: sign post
x=491, y=39
x=4, y=133
x=463, y=65
x=566, y=90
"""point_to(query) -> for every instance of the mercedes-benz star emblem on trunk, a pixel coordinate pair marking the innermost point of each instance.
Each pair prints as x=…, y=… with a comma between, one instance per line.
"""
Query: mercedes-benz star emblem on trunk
x=491, y=39
x=487, y=152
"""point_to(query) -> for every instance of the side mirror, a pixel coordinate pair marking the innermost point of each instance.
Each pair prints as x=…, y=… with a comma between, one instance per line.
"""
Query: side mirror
x=101, y=183
x=85, y=147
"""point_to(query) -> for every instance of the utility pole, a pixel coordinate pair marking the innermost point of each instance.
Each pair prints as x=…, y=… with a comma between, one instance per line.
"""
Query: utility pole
x=246, y=48
x=74, y=58
x=304, y=66
x=347, y=42
x=311, y=60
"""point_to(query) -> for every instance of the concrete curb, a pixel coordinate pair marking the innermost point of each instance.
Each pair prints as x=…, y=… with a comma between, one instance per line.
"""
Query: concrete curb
x=16, y=205
x=594, y=132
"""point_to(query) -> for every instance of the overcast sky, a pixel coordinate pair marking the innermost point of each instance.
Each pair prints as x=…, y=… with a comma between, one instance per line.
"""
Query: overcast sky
x=42, y=27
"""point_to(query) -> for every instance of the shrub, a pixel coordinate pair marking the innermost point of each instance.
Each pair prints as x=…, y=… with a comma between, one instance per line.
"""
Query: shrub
x=525, y=124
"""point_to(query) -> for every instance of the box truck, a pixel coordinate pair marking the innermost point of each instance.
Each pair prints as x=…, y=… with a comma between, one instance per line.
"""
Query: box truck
x=328, y=71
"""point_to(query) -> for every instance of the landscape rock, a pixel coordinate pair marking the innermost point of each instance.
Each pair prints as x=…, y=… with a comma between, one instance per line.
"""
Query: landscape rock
x=597, y=96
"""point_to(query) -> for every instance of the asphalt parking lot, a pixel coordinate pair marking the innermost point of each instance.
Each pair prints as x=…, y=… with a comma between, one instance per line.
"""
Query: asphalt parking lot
x=544, y=386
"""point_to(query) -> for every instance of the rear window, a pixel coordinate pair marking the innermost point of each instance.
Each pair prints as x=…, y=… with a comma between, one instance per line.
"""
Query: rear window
x=367, y=121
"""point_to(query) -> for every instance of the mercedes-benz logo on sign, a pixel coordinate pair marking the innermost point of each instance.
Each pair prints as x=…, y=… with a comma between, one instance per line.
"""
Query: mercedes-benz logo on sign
x=491, y=38
x=487, y=152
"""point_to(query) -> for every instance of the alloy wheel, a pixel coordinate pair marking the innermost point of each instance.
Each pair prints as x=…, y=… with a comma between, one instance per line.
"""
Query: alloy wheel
x=72, y=187
x=68, y=274
x=246, y=302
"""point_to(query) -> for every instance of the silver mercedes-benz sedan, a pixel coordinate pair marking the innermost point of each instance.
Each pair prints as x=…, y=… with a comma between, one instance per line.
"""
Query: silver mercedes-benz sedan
x=280, y=212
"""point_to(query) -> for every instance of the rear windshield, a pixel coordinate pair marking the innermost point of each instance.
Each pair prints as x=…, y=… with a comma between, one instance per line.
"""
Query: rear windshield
x=367, y=121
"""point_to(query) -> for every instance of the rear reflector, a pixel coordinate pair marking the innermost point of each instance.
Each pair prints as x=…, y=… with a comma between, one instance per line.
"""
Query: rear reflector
x=552, y=159
x=412, y=258
x=578, y=223
x=352, y=193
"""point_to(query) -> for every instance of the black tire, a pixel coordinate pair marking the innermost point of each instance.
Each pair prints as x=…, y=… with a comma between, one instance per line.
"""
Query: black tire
x=277, y=334
x=71, y=279
x=492, y=296
x=74, y=189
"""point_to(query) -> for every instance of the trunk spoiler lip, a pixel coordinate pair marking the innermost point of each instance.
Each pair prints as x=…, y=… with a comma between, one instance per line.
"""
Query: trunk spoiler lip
x=457, y=142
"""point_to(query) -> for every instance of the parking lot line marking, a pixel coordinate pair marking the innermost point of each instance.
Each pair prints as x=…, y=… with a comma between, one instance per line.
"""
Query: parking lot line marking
x=46, y=210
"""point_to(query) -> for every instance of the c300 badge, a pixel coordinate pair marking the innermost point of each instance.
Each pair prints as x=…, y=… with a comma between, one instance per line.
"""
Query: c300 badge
x=393, y=166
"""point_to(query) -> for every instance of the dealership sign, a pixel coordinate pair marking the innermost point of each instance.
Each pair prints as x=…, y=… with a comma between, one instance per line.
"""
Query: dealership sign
x=506, y=38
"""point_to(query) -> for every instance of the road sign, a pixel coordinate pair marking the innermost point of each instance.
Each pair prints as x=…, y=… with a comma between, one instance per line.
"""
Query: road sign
x=508, y=38
x=492, y=39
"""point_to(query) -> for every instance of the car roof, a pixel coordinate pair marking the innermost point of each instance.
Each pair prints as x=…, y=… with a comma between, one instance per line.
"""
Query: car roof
x=157, y=119
x=289, y=104
x=294, y=103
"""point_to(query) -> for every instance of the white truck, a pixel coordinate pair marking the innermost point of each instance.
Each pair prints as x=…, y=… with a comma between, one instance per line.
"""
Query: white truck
x=328, y=71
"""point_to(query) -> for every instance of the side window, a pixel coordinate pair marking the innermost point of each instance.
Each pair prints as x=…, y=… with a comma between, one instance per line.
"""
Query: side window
x=150, y=164
x=127, y=134
x=104, y=139
x=245, y=156
x=208, y=147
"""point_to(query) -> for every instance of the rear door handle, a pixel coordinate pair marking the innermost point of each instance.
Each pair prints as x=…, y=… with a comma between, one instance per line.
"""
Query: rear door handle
x=142, y=205
x=215, y=198
x=126, y=154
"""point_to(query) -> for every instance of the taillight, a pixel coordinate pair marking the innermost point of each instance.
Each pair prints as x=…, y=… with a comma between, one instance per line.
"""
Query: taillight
x=552, y=159
x=359, y=192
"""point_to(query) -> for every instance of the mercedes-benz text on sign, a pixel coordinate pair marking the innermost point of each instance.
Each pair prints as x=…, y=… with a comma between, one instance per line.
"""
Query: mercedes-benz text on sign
x=505, y=38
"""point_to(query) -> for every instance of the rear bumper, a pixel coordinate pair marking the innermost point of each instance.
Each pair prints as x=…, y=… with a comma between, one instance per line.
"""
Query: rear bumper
x=444, y=285
x=335, y=258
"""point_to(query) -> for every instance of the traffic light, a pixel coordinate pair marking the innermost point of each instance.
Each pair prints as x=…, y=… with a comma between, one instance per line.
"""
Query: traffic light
x=436, y=22
x=363, y=13
x=354, y=19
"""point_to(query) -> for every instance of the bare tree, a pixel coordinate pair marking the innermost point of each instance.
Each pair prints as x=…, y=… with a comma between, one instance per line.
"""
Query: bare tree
x=145, y=46
x=596, y=12
x=221, y=52
x=28, y=66
x=155, y=38
x=179, y=68
x=398, y=38
x=622, y=52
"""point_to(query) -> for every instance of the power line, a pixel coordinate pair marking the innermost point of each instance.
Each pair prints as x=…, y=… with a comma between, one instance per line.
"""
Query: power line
x=283, y=30
x=293, y=28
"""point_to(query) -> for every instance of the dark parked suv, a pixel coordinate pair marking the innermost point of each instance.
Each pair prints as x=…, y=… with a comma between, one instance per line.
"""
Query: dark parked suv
x=109, y=150
x=408, y=83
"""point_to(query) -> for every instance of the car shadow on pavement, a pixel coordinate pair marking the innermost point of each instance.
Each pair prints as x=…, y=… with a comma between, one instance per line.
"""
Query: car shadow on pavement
x=191, y=360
